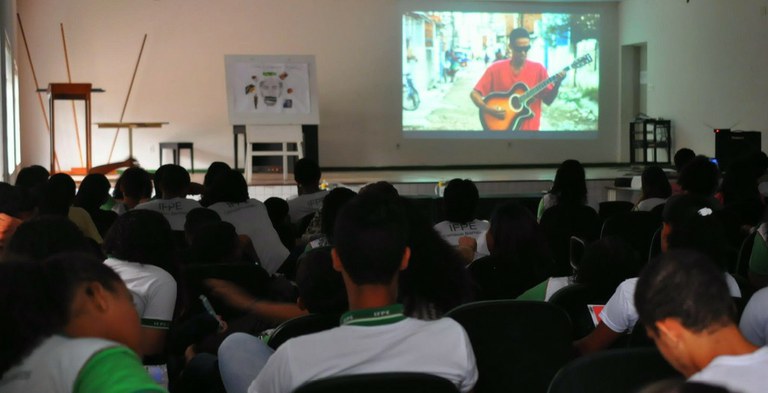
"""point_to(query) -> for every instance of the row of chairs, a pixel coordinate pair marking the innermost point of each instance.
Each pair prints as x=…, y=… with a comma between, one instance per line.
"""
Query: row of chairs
x=521, y=346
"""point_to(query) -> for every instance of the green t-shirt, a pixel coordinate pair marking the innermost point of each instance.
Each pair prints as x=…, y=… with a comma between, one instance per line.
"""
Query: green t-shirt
x=539, y=292
x=115, y=370
x=758, y=260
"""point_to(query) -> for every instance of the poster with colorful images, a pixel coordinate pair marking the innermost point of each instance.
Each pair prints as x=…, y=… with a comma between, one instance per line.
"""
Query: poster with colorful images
x=271, y=89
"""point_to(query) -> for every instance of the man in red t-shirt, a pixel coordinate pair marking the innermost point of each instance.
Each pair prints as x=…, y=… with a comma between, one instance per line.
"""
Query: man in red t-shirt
x=491, y=94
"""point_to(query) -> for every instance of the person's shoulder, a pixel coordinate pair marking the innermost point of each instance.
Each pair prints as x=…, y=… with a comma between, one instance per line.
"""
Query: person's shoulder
x=534, y=64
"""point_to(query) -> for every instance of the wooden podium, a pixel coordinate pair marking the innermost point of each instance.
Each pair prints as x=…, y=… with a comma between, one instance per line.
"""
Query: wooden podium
x=70, y=92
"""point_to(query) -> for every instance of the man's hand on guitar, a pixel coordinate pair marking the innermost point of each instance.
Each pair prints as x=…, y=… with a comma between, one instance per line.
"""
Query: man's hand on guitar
x=497, y=112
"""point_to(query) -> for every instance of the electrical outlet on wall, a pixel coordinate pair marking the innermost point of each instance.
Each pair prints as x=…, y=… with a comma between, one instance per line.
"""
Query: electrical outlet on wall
x=152, y=148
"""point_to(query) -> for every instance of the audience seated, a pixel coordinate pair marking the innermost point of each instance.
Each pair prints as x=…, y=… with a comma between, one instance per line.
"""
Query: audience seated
x=519, y=258
x=689, y=222
x=754, y=320
x=307, y=175
x=655, y=187
x=30, y=181
x=371, y=248
x=277, y=209
x=91, y=195
x=569, y=187
x=332, y=204
x=133, y=187
x=460, y=200
x=69, y=326
x=173, y=203
x=229, y=198
x=140, y=249
x=214, y=170
x=41, y=237
x=57, y=199
x=685, y=305
x=701, y=176
x=682, y=157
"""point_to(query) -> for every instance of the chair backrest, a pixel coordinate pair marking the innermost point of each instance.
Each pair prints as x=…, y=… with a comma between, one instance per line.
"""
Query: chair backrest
x=575, y=300
x=617, y=370
x=609, y=209
x=655, y=248
x=380, y=383
x=300, y=326
x=576, y=247
x=518, y=345
x=560, y=222
x=745, y=252
x=636, y=228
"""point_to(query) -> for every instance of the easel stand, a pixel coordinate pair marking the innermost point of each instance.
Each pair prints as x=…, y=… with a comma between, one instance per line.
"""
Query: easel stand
x=282, y=134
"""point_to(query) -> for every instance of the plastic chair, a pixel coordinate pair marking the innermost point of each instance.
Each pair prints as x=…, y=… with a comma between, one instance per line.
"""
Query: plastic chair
x=636, y=228
x=609, y=209
x=300, y=326
x=560, y=222
x=518, y=345
x=574, y=300
x=380, y=383
x=745, y=252
x=617, y=370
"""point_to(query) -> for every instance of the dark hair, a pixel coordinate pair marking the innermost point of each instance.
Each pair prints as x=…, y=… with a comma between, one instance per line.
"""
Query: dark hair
x=655, y=183
x=380, y=189
x=214, y=170
x=699, y=176
x=135, y=183
x=36, y=297
x=518, y=239
x=277, y=209
x=321, y=288
x=683, y=157
x=175, y=180
x=695, y=225
x=142, y=236
x=606, y=263
x=58, y=195
x=229, y=186
x=10, y=200
x=370, y=237
x=197, y=218
x=436, y=279
x=214, y=243
x=306, y=172
x=32, y=176
x=686, y=285
x=517, y=34
x=44, y=236
x=332, y=204
x=460, y=200
x=570, y=185
x=93, y=192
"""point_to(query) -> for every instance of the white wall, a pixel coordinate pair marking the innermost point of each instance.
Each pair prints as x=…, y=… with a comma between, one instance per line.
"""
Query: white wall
x=707, y=64
x=181, y=78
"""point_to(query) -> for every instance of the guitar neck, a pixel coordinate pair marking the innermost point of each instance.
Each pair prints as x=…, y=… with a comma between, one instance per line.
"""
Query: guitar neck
x=541, y=86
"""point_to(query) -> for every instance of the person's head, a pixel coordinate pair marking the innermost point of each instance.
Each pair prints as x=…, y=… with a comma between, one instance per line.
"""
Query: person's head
x=70, y=294
x=690, y=221
x=197, y=218
x=321, y=288
x=142, y=236
x=699, y=176
x=606, y=263
x=519, y=45
x=514, y=233
x=229, y=186
x=277, y=209
x=215, y=243
x=460, y=200
x=32, y=176
x=93, y=192
x=371, y=236
x=307, y=174
x=655, y=183
x=135, y=183
x=214, y=170
x=679, y=295
x=332, y=204
x=570, y=185
x=380, y=189
x=58, y=195
x=174, y=182
x=10, y=200
x=683, y=157
x=44, y=236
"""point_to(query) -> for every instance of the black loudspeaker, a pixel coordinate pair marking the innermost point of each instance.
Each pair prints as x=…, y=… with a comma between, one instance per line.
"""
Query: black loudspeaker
x=730, y=145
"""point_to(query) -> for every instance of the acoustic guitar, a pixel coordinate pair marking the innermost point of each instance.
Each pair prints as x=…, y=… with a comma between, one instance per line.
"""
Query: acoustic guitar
x=515, y=101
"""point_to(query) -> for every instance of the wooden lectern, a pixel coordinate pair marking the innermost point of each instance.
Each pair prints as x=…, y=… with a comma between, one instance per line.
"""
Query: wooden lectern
x=71, y=91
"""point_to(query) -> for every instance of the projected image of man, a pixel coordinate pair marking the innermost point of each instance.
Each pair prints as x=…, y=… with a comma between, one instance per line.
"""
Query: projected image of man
x=500, y=92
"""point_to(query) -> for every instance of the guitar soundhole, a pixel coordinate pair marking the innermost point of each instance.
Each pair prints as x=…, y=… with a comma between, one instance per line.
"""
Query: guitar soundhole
x=514, y=103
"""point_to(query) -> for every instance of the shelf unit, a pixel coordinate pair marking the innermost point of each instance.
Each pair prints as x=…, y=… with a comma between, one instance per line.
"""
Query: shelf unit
x=650, y=141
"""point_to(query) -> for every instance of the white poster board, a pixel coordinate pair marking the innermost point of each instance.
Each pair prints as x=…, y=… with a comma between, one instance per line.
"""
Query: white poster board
x=271, y=89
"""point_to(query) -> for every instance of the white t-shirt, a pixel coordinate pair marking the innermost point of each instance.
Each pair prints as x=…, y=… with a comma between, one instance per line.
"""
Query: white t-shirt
x=174, y=210
x=439, y=347
x=153, y=290
x=301, y=205
x=754, y=320
x=250, y=218
x=555, y=284
x=451, y=232
x=620, y=314
x=740, y=374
